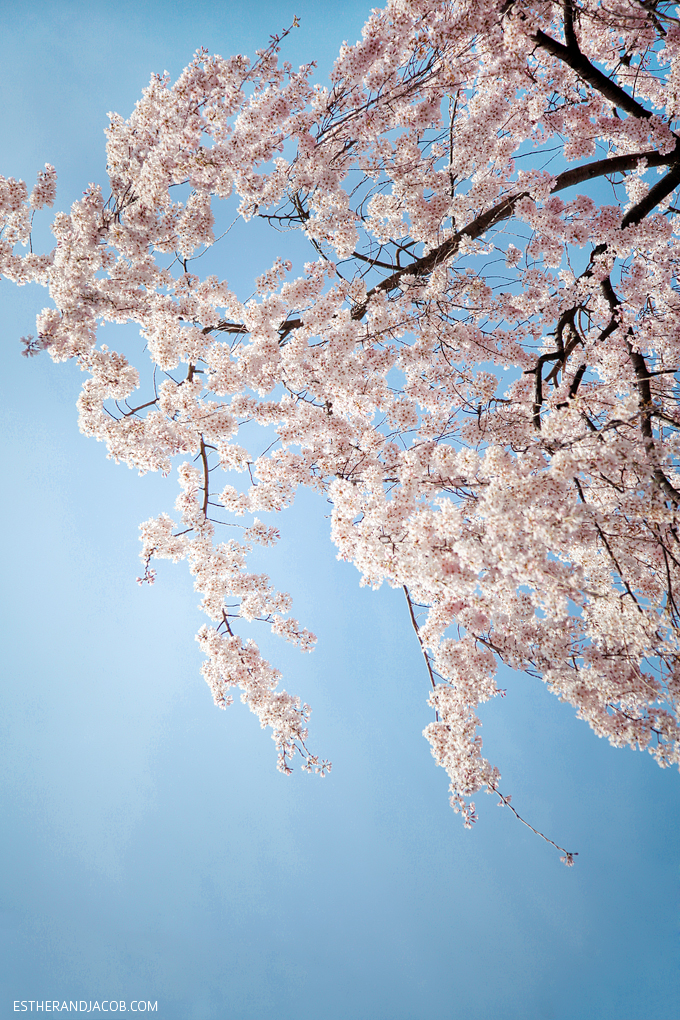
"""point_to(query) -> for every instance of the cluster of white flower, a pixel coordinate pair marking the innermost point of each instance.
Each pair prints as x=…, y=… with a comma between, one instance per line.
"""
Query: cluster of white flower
x=496, y=430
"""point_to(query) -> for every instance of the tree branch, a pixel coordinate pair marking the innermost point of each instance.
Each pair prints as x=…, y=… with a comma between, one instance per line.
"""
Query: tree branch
x=505, y=209
x=568, y=858
x=572, y=56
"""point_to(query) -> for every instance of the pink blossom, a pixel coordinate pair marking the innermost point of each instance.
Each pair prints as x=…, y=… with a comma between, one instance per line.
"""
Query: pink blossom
x=476, y=372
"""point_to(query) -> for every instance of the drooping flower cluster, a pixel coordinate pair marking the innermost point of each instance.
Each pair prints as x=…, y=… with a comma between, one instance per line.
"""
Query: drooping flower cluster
x=477, y=366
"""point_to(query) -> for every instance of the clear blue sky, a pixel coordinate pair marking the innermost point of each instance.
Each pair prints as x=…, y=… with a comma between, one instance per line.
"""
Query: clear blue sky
x=150, y=850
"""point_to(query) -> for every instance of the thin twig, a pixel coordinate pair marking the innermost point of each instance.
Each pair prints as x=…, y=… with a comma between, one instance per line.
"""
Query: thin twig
x=568, y=858
x=420, y=641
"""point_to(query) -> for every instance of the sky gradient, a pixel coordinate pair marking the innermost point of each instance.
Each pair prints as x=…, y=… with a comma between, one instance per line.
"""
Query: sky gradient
x=150, y=850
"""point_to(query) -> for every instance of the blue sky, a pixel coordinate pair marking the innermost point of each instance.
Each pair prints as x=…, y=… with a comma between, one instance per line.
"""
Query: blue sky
x=150, y=850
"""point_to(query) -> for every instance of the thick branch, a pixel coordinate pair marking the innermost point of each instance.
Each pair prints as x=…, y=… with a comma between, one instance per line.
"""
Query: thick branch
x=572, y=56
x=504, y=210
x=656, y=194
x=642, y=377
x=661, y=190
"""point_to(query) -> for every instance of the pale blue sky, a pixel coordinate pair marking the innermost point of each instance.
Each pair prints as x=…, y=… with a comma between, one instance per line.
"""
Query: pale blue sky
x=149, y=847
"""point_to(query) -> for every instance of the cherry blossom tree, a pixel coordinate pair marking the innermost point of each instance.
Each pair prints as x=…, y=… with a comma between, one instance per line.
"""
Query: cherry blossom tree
x=476, y=367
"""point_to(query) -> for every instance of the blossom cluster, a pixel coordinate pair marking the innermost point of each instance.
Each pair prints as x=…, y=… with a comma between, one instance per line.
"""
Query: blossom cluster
x=476, y=367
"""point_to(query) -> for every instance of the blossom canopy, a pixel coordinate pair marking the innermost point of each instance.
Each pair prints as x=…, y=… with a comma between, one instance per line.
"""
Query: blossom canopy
x=476, y=367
